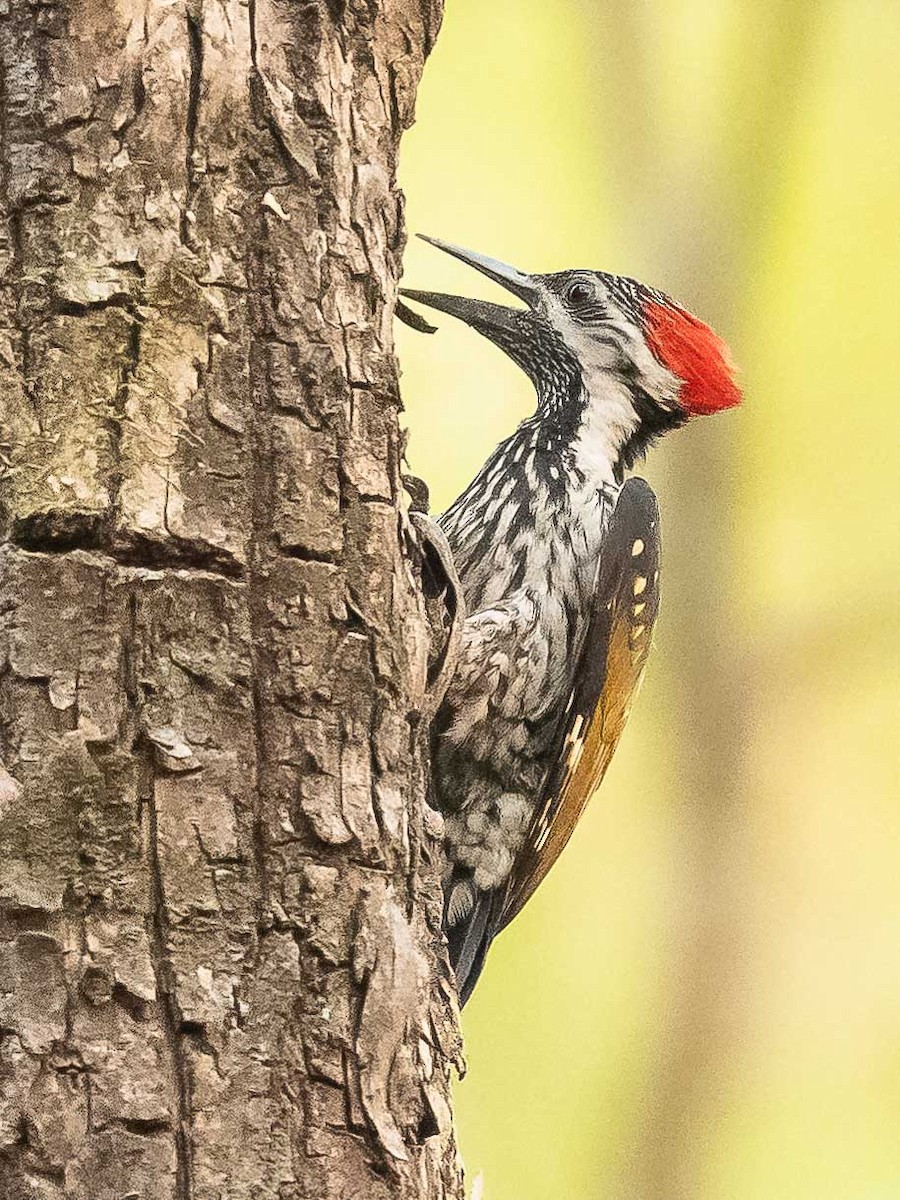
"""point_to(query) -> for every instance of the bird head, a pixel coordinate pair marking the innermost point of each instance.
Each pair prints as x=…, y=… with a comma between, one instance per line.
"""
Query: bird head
x=614, y=362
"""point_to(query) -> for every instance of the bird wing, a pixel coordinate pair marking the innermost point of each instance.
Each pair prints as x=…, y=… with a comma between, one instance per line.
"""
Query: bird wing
x=609, y=671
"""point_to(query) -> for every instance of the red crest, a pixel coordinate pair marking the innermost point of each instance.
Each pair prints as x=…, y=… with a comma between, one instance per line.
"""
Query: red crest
x=695, y=354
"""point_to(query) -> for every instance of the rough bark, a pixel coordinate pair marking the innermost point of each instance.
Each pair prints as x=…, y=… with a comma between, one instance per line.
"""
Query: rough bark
x=220, y=964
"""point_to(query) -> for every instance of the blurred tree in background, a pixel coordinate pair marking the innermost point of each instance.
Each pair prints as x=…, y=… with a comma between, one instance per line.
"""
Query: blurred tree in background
x=702, y=1001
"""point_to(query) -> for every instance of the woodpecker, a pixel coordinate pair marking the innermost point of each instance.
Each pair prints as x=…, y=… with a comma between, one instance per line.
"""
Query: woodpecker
x=558, y=558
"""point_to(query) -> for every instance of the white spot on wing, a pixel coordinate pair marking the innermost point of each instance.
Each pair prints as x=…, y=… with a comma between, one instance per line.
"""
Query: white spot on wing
x=575, y=731
x=575, y=754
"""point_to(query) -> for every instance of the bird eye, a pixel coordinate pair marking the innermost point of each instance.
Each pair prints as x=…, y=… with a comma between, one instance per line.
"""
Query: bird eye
x=579, y=293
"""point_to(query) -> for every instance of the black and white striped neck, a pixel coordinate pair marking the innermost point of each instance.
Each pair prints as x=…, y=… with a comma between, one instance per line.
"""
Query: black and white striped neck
x=532, y=509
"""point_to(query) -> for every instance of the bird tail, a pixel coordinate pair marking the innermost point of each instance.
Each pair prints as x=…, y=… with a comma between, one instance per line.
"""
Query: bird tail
x=470, y=919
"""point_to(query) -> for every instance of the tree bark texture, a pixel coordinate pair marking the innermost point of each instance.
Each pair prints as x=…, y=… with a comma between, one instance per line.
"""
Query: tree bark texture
x=220, y=963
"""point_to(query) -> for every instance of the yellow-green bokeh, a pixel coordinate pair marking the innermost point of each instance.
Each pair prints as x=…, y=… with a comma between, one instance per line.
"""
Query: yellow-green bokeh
x=702, y=1001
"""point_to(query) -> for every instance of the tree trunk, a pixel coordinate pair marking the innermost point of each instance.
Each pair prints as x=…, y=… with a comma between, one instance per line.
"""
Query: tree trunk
x=220, y=962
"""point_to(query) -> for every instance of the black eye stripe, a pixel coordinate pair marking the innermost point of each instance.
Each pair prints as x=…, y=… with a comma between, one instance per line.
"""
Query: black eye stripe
x=624, y=293
x=590, y=313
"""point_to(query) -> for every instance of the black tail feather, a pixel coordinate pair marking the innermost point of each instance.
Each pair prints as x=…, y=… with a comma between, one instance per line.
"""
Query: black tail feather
x=470, y=939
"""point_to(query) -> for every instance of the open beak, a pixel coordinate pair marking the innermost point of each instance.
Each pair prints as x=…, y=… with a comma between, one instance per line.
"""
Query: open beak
x=513, y=280
x=494, y=321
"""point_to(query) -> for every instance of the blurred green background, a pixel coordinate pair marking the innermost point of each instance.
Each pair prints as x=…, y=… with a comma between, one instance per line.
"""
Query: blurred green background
x=703, y=1001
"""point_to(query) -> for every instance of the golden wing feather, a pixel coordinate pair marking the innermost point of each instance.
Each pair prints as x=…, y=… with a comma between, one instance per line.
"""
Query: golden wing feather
x=609, y=672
